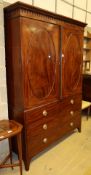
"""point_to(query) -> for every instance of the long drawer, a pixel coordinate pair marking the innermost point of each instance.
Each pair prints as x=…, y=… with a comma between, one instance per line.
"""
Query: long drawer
x=39, y=138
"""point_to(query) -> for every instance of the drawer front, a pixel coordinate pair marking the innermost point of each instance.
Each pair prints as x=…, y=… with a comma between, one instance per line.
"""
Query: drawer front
x=43, y=138
x=68, y=105
x=47, y=124
x=51, y=122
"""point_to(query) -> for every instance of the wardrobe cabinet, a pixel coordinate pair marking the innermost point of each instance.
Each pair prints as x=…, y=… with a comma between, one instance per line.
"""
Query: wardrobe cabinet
x=44, y=75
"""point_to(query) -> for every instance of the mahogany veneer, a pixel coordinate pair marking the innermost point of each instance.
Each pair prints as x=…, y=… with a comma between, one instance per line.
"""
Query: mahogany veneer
x=44, y=74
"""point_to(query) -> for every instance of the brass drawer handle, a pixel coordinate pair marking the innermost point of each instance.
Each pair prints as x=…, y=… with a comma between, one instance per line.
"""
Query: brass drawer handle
x=45, y=140
x=62, y=55
x=71, y=124
x=72, y=113
x=45, y=126
x=45, y=113
x=72, y=101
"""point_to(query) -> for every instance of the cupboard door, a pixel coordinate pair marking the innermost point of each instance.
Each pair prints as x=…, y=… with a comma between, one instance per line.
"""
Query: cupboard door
x=40, y=48
x=71, y=60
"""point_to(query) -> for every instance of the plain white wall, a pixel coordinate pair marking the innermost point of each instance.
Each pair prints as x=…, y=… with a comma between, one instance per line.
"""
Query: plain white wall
x=80, y=10
x=3, y=91
x=3, y=94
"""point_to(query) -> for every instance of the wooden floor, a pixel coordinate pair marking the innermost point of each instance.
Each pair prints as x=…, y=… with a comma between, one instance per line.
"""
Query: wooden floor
x=71, y=156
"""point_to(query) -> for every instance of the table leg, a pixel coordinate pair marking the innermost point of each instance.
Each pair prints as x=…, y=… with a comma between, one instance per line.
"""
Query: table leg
x=19, y=151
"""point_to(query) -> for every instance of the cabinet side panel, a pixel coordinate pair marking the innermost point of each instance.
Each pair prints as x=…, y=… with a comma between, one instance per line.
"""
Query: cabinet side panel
x=13, y=64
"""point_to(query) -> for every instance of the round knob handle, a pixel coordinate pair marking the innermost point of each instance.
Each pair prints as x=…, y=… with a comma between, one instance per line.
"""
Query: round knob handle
x=45, y=140
x=71, y=124
x=45, y=126
x=49, y=56
x=72, y=112
x=62, y=55
x=72, y=101
x=45, y=113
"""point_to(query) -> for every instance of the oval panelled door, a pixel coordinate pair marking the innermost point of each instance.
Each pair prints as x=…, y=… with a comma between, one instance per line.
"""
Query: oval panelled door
x=41, y=60
x=71, y=62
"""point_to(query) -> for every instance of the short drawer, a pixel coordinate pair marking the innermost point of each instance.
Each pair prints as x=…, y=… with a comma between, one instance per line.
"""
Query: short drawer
x=40, y=113
x=63, y=107
x=74, y=102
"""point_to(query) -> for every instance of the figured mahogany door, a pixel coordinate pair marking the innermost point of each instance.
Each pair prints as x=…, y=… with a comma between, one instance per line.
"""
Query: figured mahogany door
x=71, y=62
x=40, y=54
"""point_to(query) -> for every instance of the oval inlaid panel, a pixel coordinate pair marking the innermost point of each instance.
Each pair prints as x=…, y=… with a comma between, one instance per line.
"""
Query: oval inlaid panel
x=40, y=61
x=72, y=63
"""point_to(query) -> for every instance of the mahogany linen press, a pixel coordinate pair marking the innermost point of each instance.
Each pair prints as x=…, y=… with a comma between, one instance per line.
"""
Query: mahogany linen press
x=44, y=75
